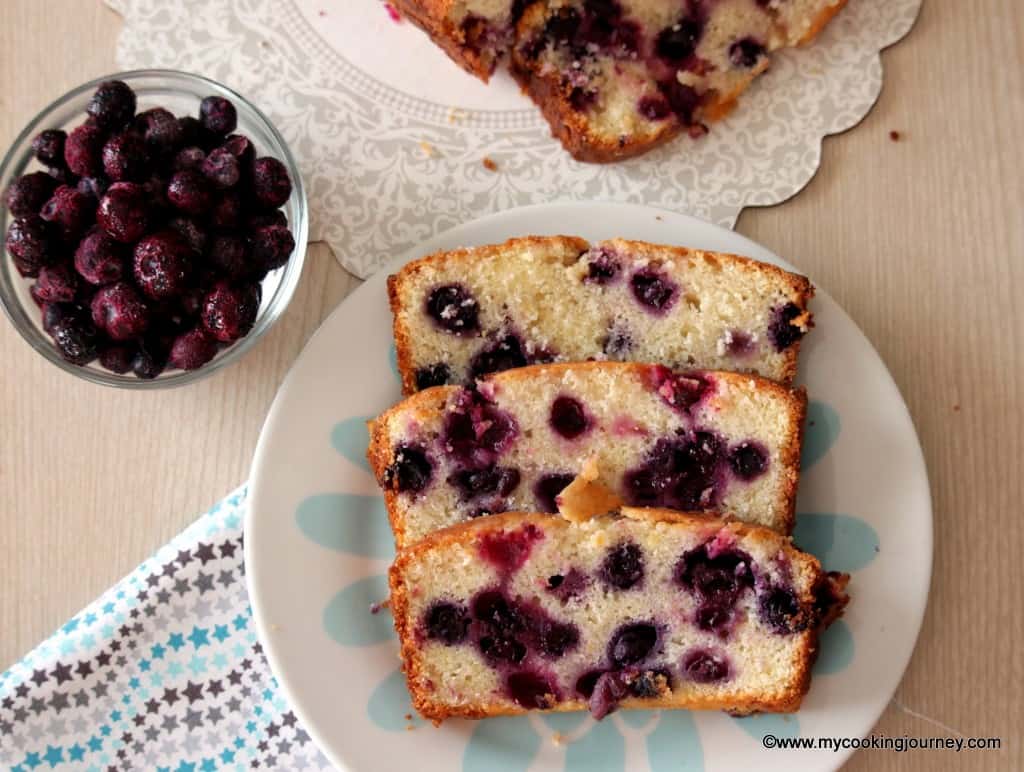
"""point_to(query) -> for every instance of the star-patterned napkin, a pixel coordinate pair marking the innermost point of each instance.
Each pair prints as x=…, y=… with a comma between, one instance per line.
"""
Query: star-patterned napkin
x=163, y=672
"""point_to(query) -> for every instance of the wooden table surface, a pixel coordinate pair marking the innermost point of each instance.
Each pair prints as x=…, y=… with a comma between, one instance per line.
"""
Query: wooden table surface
x=921, y=241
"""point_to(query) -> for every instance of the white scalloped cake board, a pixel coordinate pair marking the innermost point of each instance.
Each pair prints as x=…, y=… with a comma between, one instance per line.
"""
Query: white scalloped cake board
x=360, y=98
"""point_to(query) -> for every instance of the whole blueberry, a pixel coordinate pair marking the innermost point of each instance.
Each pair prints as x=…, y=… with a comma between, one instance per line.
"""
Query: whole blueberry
x=57, y=284
x=161, y=264
x=191, y=132
x=241, y=148
x=27, y=194
x=189, y=158
x=124, y=212
x=191, y=350
x=779, y=609
x=705, y=666
x=118, y=359
x=447, y=622
x=113, y=105
x=29, y=243
x=118, y=311
x=432, y=375
x=99, y=259
x=271, y=247
x=48, y=148
x=746, y=52
x=228, y=313
x=161, y=131
x=69, y=212
x=125, y=157
x=218, y=115
x=227, y=212
x=781, y=330
x=190, y=230
x=83, y=150
x=76, y=338
x=265, y=219
x=631, y=644
x=271, y=186
x=654, y=290
x=221, y=168
x=503, y=354
x=568, y=417
x=623, y=566
x=748, y=460
x=150, y=360
x=679, y=41
x=411, y=470
x=454, y=309
x=190, y=192
x=56, y=312
x=229, y=255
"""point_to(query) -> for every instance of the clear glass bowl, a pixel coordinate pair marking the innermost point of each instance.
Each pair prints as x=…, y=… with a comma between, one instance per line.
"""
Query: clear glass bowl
x=181, y=93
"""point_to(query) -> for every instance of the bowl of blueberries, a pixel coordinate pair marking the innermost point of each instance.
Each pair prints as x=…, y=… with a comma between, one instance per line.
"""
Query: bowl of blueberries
x=154, y=227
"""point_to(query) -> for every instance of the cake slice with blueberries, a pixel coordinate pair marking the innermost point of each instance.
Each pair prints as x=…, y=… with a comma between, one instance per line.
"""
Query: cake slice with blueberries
x=644, y=609
x=690, y=441
x=463, y=314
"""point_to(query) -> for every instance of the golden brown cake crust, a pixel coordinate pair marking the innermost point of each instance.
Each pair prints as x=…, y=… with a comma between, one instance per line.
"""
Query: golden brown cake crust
x=380, y=452
x=800, y=288
x=787, y=700
x=431, y=16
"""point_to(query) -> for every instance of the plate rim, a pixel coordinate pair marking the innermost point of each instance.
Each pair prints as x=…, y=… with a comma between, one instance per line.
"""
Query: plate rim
x=257, y=475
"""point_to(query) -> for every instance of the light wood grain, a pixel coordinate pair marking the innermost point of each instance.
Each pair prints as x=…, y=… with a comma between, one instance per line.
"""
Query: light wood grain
x=921, y=241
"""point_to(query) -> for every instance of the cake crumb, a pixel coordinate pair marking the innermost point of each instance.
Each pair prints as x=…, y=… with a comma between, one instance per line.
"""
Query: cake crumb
x=428, y=150
x=396, y=17
x=455, y=115
x=489, y=164
x=658, y=217
x=894, y=135
x=408, y=717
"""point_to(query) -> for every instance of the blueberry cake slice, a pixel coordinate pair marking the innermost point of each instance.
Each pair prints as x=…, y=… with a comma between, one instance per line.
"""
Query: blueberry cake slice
x=463, y=314
x=698, y=440
x=617, y=78
x=648, y=609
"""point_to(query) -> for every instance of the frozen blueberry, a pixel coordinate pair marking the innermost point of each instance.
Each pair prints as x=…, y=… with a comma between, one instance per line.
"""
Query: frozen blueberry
x=474, y=483
x=270, y=247
x=29, y=243
x=679, y=41
x=241, y=148
x=568, y=417
x=778, y=608
x=432, y=375
x=75, y=338
x=705, y=667
x=218, y=115
x=228, y=313
x=547, y=488
x=69, y=212
x=227, y=212
x=125, y=157
x=503, y=354
x=192, y=132
x=118, y=311
x=48, y=148
x=55, y=312
x=654, y=290
x=454, y=309
x=57, y=284
x=150, y=360
x=632, y=644
x=117, y=359
x=748, y=460
x=113, y=105
x=193, y=233
x=447, y=622
x=229, y=255
x=720, y=579
x=265, y=219
x=190, y=192
x=530, y=690
x=746, y=52
x=161, y=264
x=27, y=194
x=189, y=158
x=221, y=168
x=781, y=330
x=623, y=566
x=191, y=350
x=161, y=131
x=411, y=470
x=271, y=186
x=124, y=212
x=83, y=151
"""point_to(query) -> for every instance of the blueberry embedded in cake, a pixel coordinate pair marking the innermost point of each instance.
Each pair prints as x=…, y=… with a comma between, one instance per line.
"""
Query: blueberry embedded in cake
x=649, y=609
x=464, y=314
x=656, y=437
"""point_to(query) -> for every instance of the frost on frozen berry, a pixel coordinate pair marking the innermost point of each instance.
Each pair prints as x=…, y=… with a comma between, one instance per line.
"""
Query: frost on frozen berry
x=113, y=104
x=271, y=186
x=83, y=151
x=190, y=192
x=125, y=157
x=56, y=284
x=221, y=168
x=69, y=212
x=161, y=264
x=48, y=148
x=228, y=313
x=118, y=311
x=218, y=115
x=27, y=194
x=29, y=244
x=191, y=350
x=124, y=212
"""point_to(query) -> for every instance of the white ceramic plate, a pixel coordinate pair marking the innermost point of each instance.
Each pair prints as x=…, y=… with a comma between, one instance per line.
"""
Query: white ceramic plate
x=318, y=547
